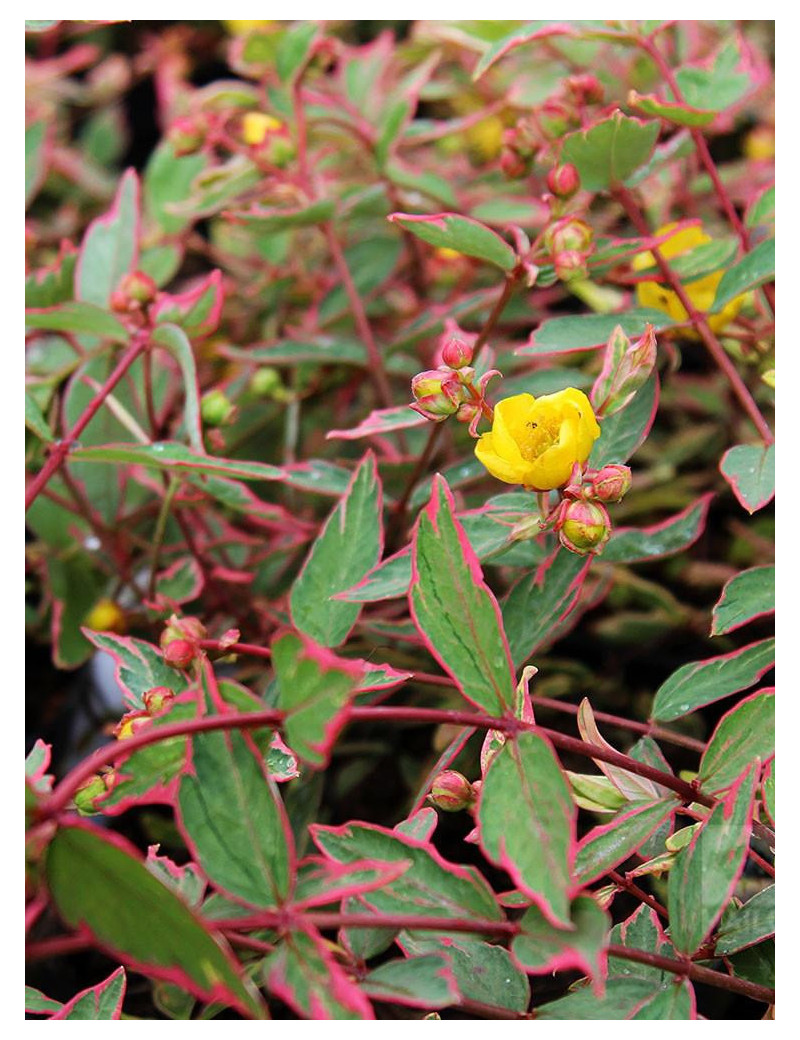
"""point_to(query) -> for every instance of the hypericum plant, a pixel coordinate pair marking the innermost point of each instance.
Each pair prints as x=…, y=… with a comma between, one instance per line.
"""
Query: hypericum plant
x=366, y=657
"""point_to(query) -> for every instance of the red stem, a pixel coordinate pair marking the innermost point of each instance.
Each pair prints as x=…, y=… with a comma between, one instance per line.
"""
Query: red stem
x=711, y=342
x=283, y=919
x=234, y=648
x=61, y=449
x=633, y=889
x=58, y=946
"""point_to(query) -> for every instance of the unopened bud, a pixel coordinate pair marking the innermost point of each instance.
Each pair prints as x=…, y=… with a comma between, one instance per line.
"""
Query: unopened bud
x=179, y=653
x=157, y=698
x=514, y=165
x=456, y=353
x=130, y=723
x=611, y=483
x=570, y=234
x=571, y=266
x=216, y=409
x=186, y=136
x=555, y=118
x=189, y=628
x=563, y=181
x=265, y=381
x=583, y=527
x=134, y=291
x=437, y=394
x=451, y=792
x=467, y=411
x=586, y=89
x=86, y=796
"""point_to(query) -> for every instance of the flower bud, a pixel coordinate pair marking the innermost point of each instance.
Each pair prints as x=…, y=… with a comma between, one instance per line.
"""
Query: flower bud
x=555, y=118
x=157, y=698
x=583, y=527
x=586, y=89
x=456, y=353
x=467, y=411
x=257, y=125
x=179, y=653
x=451, y=792
x=186, y=136
x=134, y=291
x=514, y=165
x=571, y=265
x=105, y=616
x=189, y=628
x=611, y=483
x=216, y=409
x=567, y=235
x=265, y=381
x=438, y=394
x=87, y=794
x=563, y=181
x=130, y=723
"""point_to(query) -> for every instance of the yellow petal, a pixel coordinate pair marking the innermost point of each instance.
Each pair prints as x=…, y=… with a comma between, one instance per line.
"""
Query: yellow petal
x=508, y=472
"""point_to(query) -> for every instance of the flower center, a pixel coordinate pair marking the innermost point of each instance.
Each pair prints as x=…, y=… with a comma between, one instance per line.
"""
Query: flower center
x=537, y=437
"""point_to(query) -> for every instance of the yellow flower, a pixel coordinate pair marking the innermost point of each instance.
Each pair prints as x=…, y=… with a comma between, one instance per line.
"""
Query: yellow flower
x=537, y=441
x=245, y=25
x=105, y=616
x=256, y=126
x=701, y=292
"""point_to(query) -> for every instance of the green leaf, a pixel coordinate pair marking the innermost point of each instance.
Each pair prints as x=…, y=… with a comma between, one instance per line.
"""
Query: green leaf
x=379, y=422
x=538, y=603
x=745, y=733
x=526, y=822
x=463, y=234
x=677, y=114
x=314, y=686
x=181, y=582
x=641, y=931
x=295, y=49
x=274, y=221
x=607, y=846
x=99, y=1003
x=75, y=587
x=430, y=886
x=348, y=546
x=524, y=34
x=454, y=610
x=716, y=86
x=213, y=189
x=704, y=873
x=234, y=820
x=135, y=917
x=541, y=948
x=757, y=268
x=35, y=421
x=707, y=258
x=702, y=682
x=139, y=666
x=623, y=999
x=756, y=963
x=762, y=211
x=750, y=471
x=624, y=431
x=175, y=340
x=484, y=973
x=171, y=455
x=427, y=182
x=746, y=596
x=629, y=545
x=586, y=331
x=49, y=286
x=74, y=316
x=168, y=179
x=35, y=159
x=36, y=1003
x=610, y=151
x=391, y=125
x=370, y=263
x=747, y=925
x=673, y=1001
x=425, y=982
x=768, y=793
x=161, y=262
x=110, y=246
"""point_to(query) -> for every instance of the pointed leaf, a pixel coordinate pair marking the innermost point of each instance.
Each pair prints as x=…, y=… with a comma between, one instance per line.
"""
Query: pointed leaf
x=541, y=948
x=321, y=882
x=706, y=871
x=588, y=331
x=379, y=422
x=677, y=114
x=757, y=268
x=137, y=919
x=526, y=823
x=745, y=733
x=110, y=246
x=426, y=981
x=175, y=340
x=633, y=787
x=746, y=596
x=750, y=471
x=348, y=546
x=102, y=1002
x=197, y=311
x=606, y=846
x=747, y=925
x=274, y=221
x=36, y=1003
x=631, y=544
x=610, y=151
x=139, y=666
x=622, y=433
x=463, y=234
x=75, y=316
x=454, y=610
x=703, y=682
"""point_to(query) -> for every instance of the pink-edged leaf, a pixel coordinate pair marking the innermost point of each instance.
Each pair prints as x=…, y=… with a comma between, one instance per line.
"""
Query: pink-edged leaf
x=379, y=422
x=315, y=688
x=455, y=611
x=745, y=597
x=138, y=665
x=197, y=310
x=526, y=823
x=643, y=930
x=750, y=471
x=702, y=682
x=540, y=601
x=742, y=735
x=578, y=332
x=347, y=547
x=139, y=921
x=275, y=220
x=36, y=1003
x=705, y=873
x=38, y=149
x=523, y=709
x=463, y=234
x=376, y=678
x=187, y=881
x=303, y=973
x=608, y=845
x=425, y=982
x=768, y=792
x=679, y=114
x=632, y=787
x=517, y=37
x=250, y=857
x=608, y=152
x=431, y=886
x=743, y=926
x=321, y=882
x=540, y=948
x=420, y=824
x=175, y=340
x=624, y=431
x=631, y=544
x=181, y=582
x=37, y=763
x=110, y=246
x=100, y=1002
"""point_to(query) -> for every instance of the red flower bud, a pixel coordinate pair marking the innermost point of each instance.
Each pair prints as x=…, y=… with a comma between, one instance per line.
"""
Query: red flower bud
x=157, y=698
x=456, y=353
x=555, y=118
x=186, y=136
x=134, y=291
x=586, y=89
x=568, y=234
x=179, y=653
x=437, y=393
x=563, y=181
x=514, y=165
x=583, y=527
x=571, y=265
x=611, y=483
x=451, y=792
